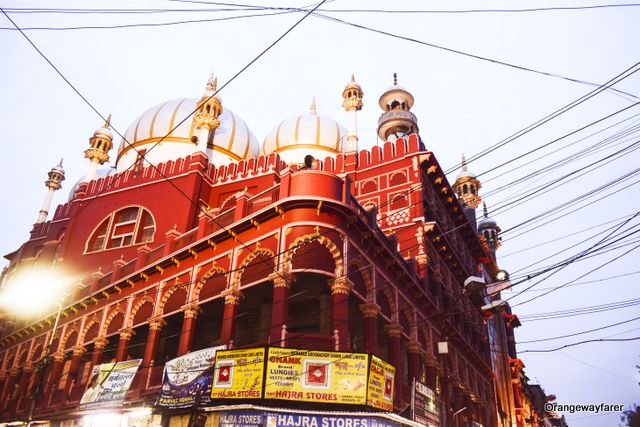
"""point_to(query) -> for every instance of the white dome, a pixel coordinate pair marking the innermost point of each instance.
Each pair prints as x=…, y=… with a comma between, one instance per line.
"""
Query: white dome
x=232, y=140
x=299, y=136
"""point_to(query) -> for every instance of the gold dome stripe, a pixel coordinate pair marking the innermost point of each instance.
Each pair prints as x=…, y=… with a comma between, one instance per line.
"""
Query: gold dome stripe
x=295, y=137
x=151, y=141
x=155, y=115
x=233, y=132
x=173, y=115
x=337, y=146
x=294, y=146
x=317, y=130
x=277, y=136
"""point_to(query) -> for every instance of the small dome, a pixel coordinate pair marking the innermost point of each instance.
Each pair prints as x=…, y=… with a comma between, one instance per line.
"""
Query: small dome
x=296, y=137
x=487, y=221
x=100, y=173
x=58, y=169
x=232, y=140
x=104, y=131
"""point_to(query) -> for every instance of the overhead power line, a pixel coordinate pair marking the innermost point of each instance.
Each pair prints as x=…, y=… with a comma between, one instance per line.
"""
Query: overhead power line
x=580, y=343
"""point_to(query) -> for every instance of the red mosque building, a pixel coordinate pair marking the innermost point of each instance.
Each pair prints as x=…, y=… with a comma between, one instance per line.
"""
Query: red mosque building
x=202, y=237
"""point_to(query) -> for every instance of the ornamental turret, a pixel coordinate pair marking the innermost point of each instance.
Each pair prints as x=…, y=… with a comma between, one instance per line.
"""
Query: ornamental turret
x=54, y=183
x=352, y=95
x=397, y=118
x=98, y=152
x=207, y=118
x=466, y=187
x=488, y=228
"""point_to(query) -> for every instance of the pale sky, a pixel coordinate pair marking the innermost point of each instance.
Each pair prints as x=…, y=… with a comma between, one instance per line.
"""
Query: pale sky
x=463, y=104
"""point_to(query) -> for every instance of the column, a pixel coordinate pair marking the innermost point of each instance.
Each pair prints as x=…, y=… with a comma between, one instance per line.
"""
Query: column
x=155, y=325
x=370, y=313
x=280, y=309
x=394, y=331
x=27, y=371
x=340, y=290
x=431, y=366
x=190, y=315
x=54, y=376
x=99, y=344
x=231, y=300
x=10, y=387
x=413, y=350
x=78, y=351
x=123, y=344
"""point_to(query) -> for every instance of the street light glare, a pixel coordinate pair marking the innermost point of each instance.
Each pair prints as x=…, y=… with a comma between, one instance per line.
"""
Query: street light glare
x=34, y=291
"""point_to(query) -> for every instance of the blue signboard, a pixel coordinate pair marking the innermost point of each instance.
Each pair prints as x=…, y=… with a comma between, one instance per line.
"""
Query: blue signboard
x=271, y=419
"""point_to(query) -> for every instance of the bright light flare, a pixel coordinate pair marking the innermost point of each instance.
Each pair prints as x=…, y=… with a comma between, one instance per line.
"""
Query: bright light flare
x=34, y=291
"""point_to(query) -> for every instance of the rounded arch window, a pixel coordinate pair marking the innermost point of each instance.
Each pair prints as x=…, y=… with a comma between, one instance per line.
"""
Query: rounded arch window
x=129, y=226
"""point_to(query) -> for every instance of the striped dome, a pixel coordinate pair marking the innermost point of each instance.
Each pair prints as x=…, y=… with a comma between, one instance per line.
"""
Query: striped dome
x=232, y=140
x=296, y=137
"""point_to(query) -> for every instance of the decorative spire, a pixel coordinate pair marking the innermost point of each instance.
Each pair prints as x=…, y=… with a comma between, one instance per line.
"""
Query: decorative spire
x=395, y=79
x=464, y=163
x=312, y=109
x=212, y=83
x=484, y=208
x=107, y=124
x=353, y=78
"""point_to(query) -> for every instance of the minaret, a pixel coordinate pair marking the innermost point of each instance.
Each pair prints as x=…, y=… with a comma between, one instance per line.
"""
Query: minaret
x=56, y=176
x=466, y=187
x=488, y=228
x=397, y=118
x=207, y=117
x=352, y=95
x=98, y=152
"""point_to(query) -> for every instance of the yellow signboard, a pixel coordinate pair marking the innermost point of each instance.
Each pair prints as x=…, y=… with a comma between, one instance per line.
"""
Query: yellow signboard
x=381, y=383
x=316, y=376
x=238, y=374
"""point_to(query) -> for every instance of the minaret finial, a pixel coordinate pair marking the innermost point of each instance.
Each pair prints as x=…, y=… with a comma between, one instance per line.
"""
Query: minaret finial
x=464, y=163
x=484, y=208
x=312, y=109
x=212, y=82
x=395, y=79
x=60, y=164
x=107, y=123
x=353, y=78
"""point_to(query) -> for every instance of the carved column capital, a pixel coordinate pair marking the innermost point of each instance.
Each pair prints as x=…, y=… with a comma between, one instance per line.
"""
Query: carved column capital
x=79, y=350
x=232, y=296
x=393, y=330
x=14, y=372
x=156, y=323
x=369, y=310
x=100, y=342
x=126, y=333
x=282, y=279
x=191, y=310
x=430, y=360
x=414, y=346
x=341, y=285
x=58, y=356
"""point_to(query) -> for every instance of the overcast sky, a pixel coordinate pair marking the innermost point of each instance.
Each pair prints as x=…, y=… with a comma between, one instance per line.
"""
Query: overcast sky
x=463, y=104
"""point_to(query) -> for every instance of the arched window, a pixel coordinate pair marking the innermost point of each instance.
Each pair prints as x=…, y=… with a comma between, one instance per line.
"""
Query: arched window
x=397, y=179
x=133, y=225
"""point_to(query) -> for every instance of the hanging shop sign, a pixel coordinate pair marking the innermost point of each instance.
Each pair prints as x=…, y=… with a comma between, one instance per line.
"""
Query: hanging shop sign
x=241, y=419
x=109, y=384
x=425, y=406
x=238, y=374
x=316, y=376
x=381, y=384
x=186, y=380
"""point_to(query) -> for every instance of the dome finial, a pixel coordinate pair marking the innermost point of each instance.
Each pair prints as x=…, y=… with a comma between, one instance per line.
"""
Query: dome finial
x=107, y=123
x=395, y=79
x=353, y=78
x=484, y=208
x=312, y=109
x=464, y=163
x=212, y=83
